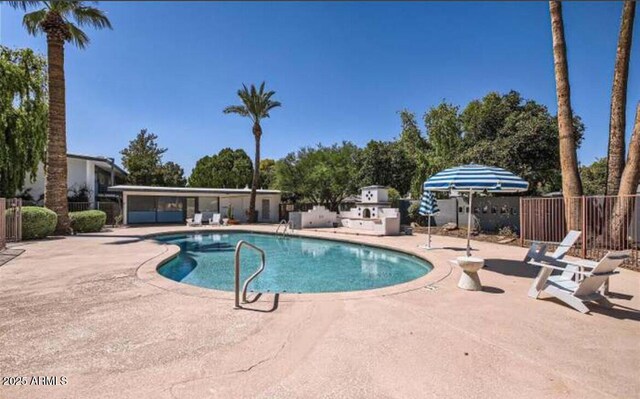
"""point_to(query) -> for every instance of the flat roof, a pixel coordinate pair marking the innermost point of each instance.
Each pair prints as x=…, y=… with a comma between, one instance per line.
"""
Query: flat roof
x=105, y=160
x=187, y=190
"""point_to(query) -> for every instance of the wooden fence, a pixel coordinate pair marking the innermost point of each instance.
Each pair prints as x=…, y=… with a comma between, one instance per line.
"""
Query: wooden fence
x=607, y=223
x=10, y=221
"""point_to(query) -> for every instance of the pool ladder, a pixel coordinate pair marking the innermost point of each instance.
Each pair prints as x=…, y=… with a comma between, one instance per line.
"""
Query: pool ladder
x=288, y=226
x=239, y=246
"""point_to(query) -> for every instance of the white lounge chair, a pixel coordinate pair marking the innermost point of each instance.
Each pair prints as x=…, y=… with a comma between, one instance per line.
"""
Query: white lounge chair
x=538, y=250
x=196, y=221
x=538, y=253
x=575, y=293
x=215, y=220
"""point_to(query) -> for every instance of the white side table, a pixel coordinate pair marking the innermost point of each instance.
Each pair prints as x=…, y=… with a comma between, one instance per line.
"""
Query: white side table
x=469, y=279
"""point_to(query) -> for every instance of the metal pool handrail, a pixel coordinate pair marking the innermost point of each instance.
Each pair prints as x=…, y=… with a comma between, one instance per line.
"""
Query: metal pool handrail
x=284, y=223
x=287, y=226
x=237, y=272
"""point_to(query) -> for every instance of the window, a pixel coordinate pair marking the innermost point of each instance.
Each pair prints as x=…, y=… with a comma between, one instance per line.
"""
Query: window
x=209, y=204
x=141, y=204
x=170, y=204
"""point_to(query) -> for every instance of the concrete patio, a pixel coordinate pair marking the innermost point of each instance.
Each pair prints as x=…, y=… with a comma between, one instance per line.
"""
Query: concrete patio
x=86, y=307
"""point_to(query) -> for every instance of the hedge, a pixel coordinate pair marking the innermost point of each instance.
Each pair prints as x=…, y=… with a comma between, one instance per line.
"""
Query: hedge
x=37, y=222
x=87, y=221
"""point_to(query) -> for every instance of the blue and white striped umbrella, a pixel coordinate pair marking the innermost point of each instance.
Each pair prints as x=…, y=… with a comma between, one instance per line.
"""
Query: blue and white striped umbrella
x=428, y=204
x=472, y=178
x=477, y=178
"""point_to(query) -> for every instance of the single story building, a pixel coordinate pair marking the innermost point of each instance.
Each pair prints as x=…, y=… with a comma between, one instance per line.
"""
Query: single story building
x=158, y=205
x=84, y=172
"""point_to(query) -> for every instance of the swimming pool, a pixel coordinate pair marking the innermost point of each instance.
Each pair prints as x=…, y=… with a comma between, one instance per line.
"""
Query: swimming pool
x=293, y=264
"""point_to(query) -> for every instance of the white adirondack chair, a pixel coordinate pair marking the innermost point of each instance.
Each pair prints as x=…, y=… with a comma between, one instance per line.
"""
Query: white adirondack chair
x=215, y=220
x=196, y=221
x=538, y=250
x=538, y=253
x=573, y=293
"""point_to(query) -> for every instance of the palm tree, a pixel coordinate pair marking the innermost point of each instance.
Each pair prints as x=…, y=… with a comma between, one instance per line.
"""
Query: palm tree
x=571, y=184
x=55, y=18
x=256, y=105
x=617, y=123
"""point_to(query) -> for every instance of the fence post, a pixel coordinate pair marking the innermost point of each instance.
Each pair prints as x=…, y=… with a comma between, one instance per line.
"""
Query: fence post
x=3, y=221
x=521, y=223
x=584, y=227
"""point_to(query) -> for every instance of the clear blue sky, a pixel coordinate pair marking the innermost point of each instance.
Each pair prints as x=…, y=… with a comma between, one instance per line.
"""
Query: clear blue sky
x=341, y=70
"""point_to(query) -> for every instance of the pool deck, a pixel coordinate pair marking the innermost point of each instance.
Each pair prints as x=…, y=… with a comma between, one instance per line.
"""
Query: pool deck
x=92, y=309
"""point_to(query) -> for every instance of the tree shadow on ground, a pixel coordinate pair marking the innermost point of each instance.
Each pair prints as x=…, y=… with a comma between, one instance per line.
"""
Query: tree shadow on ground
x=511, y=268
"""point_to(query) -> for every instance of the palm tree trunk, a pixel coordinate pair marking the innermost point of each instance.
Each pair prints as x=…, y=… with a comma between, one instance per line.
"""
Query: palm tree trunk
x=571, y=184
x=617, y=122
x=631, y=174
x=257, y=133
x=629, y=181
x=55, y=193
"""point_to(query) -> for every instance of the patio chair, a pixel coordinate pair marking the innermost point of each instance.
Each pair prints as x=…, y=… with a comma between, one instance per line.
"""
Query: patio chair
x=538, y=250
x=196, y=221
x=573, y=293
x=538, y=253
x=215, y=220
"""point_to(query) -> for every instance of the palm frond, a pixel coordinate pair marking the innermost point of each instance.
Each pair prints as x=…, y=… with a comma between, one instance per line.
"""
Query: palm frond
x=31, y=21
x=236, y=109
x=78, y=37
x=256, y=102
x=24, y=5
x=91, y=16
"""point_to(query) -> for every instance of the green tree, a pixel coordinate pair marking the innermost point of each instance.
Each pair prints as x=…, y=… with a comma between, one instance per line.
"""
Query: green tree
x=444, y=133
x=172, y=175
x=61, y=22
x=267, y=173
x=516, y=134
x=143, y=160
x=227, y=169
x=416, y=147
x=23, y=117
x=202, y=174
x=322, y=175
x=594, y=177
x=256, y=105
x=503, y=130
x=386, y=164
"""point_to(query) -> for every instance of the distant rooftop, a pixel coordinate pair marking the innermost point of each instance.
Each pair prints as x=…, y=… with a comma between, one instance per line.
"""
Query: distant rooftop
x=195, y=190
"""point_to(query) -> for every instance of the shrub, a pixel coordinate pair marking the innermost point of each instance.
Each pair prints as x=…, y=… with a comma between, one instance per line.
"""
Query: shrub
x=507, y=231
x=87, y=221
x=37, y=222
x=394, y=197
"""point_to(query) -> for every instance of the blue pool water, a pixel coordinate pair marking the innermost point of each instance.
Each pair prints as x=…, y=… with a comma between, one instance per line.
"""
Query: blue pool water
x=293, y=264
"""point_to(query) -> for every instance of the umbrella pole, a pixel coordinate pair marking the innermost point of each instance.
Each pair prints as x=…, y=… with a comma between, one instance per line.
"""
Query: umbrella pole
x=469, y=222
x=429, y=230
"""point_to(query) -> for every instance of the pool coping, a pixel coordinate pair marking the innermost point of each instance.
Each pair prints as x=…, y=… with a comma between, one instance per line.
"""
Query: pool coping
x=148, y=270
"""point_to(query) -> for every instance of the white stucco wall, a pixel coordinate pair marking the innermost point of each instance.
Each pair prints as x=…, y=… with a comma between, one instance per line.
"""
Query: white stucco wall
x=319, y=216
x=80, y=172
